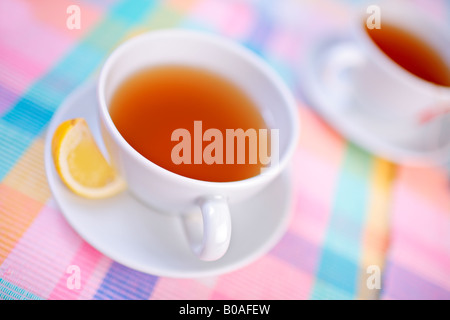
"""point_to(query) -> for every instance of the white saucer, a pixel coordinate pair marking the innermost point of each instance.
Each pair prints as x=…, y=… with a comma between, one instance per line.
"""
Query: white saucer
x=331, y=99
x=151, y=242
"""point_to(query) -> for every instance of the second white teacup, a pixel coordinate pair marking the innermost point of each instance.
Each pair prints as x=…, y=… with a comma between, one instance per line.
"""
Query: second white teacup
x=411, y=110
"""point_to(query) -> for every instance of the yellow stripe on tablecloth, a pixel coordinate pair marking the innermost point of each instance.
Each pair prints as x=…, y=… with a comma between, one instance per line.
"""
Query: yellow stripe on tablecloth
x=182, y=5
x=28, y=174
x=376, y=234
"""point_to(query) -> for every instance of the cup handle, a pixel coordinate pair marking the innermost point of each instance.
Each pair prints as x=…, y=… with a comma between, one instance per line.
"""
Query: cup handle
x=209, y=234
x=341, y=62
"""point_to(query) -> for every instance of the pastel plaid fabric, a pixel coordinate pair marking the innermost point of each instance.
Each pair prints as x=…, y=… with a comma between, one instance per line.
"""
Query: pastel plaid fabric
x=355, y=214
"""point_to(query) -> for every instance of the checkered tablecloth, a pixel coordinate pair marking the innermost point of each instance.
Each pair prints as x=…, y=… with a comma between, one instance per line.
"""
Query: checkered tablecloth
x=355, y=214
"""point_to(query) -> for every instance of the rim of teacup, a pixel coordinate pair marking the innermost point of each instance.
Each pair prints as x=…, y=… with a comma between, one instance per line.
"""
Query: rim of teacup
x=289, y=105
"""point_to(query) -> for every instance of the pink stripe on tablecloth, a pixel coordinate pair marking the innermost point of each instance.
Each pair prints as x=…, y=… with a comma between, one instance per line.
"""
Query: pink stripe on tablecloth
x=239, y=22
x=284, y=45
x=37, y=270
x=213, y=11
x=420, y=236
x=18, y=62
x=310, y=220
x=25, y=71
x=314, y=183
x=415, y=216
x=314, y=176
x=436, y=9
x=421, y=221
x=86, y=260
x=234, y=20
x=57, y=18
x=33, y=40
x=319, y=139
x=39, y=43
x=169, y=288
x=281, y=281
x=430, y=182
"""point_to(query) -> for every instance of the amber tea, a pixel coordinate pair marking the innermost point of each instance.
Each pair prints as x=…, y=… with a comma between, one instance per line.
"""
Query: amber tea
x=152, y=104
x=411, y=53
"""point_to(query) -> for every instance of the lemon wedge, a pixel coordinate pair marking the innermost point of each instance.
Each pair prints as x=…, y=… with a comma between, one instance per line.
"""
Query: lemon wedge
x=80, y=163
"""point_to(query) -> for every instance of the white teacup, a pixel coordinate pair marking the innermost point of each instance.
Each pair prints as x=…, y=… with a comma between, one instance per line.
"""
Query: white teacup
x=411, y=108
x=169, y=192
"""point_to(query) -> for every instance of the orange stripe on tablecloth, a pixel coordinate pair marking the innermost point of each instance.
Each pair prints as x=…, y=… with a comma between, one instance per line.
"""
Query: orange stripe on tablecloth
x=57, y=17
x=376, y=233
x=317, y=136
x=17, y=213
x=28, y=174
x=430, y=182
x=182, y=5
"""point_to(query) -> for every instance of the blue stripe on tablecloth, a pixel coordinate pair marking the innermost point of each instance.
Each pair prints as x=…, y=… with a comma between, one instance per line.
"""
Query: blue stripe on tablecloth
x=28, y=115
x=13, y=141
x=10, y=291
x=261, y=32
x=121, y=282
